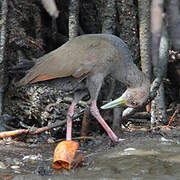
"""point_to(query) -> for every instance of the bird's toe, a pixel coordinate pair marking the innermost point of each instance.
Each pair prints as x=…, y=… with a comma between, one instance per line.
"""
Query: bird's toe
x=120, y=140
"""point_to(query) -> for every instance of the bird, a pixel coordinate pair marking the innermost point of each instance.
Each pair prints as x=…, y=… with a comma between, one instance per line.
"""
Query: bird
x=90, y=58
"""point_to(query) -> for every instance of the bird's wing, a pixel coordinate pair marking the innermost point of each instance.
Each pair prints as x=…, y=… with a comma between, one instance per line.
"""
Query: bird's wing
x=75, y=58
x=84, y=69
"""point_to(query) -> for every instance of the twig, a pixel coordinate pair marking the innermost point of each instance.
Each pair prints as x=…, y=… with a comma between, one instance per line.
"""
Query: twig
x=85, y=122
x=173, y=117
x=30, y=131
x=34, y=131
x=13, y=133
x=79, y=138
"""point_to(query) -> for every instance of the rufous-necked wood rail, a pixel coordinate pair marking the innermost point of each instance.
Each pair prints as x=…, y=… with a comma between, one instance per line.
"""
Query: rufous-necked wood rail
x=91, y=58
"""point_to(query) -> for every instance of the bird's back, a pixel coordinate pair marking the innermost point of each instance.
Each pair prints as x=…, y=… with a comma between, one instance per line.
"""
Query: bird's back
x=80, y=56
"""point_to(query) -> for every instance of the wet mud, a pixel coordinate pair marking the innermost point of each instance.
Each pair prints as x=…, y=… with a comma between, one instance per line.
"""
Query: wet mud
x=142, y=155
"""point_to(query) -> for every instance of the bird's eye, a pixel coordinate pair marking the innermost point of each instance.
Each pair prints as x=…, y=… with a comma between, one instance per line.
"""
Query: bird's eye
x=134, y=103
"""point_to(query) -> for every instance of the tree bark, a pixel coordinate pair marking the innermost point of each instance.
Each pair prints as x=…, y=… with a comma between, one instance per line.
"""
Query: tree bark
x=173, y=13
x=145, y=36
x=159, y=116
x=108, y=25
x=156, y=29
x=3, y=34
x=73, y=18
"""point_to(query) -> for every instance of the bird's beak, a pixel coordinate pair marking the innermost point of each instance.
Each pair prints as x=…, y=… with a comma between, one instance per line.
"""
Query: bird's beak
x=117, y=102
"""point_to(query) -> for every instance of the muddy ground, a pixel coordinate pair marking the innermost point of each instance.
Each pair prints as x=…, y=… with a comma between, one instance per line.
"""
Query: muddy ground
x=141, y=155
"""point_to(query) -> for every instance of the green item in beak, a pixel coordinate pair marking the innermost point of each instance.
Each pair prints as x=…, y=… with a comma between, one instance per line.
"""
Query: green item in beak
x=117, y=102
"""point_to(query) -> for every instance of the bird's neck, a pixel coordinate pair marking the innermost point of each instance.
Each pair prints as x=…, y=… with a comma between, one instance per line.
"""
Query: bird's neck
x=133, y=77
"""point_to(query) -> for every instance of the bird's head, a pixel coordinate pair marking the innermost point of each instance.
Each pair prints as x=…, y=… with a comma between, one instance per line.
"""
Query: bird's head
x=132, y=97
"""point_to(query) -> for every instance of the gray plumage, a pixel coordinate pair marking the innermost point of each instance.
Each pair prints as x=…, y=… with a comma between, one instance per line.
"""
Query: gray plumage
x=93, y=56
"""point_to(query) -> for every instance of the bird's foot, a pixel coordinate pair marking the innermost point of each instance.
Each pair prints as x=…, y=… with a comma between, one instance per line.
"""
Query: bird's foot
x=119, y=140
x=113, y=143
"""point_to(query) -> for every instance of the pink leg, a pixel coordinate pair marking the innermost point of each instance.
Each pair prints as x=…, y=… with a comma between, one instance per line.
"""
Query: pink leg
x=77, y=96
x=70, y=113
x=96, y=114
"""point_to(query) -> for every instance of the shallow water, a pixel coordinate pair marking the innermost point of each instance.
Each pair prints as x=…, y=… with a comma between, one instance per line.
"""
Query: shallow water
x=135, y=159
x=150, y=159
